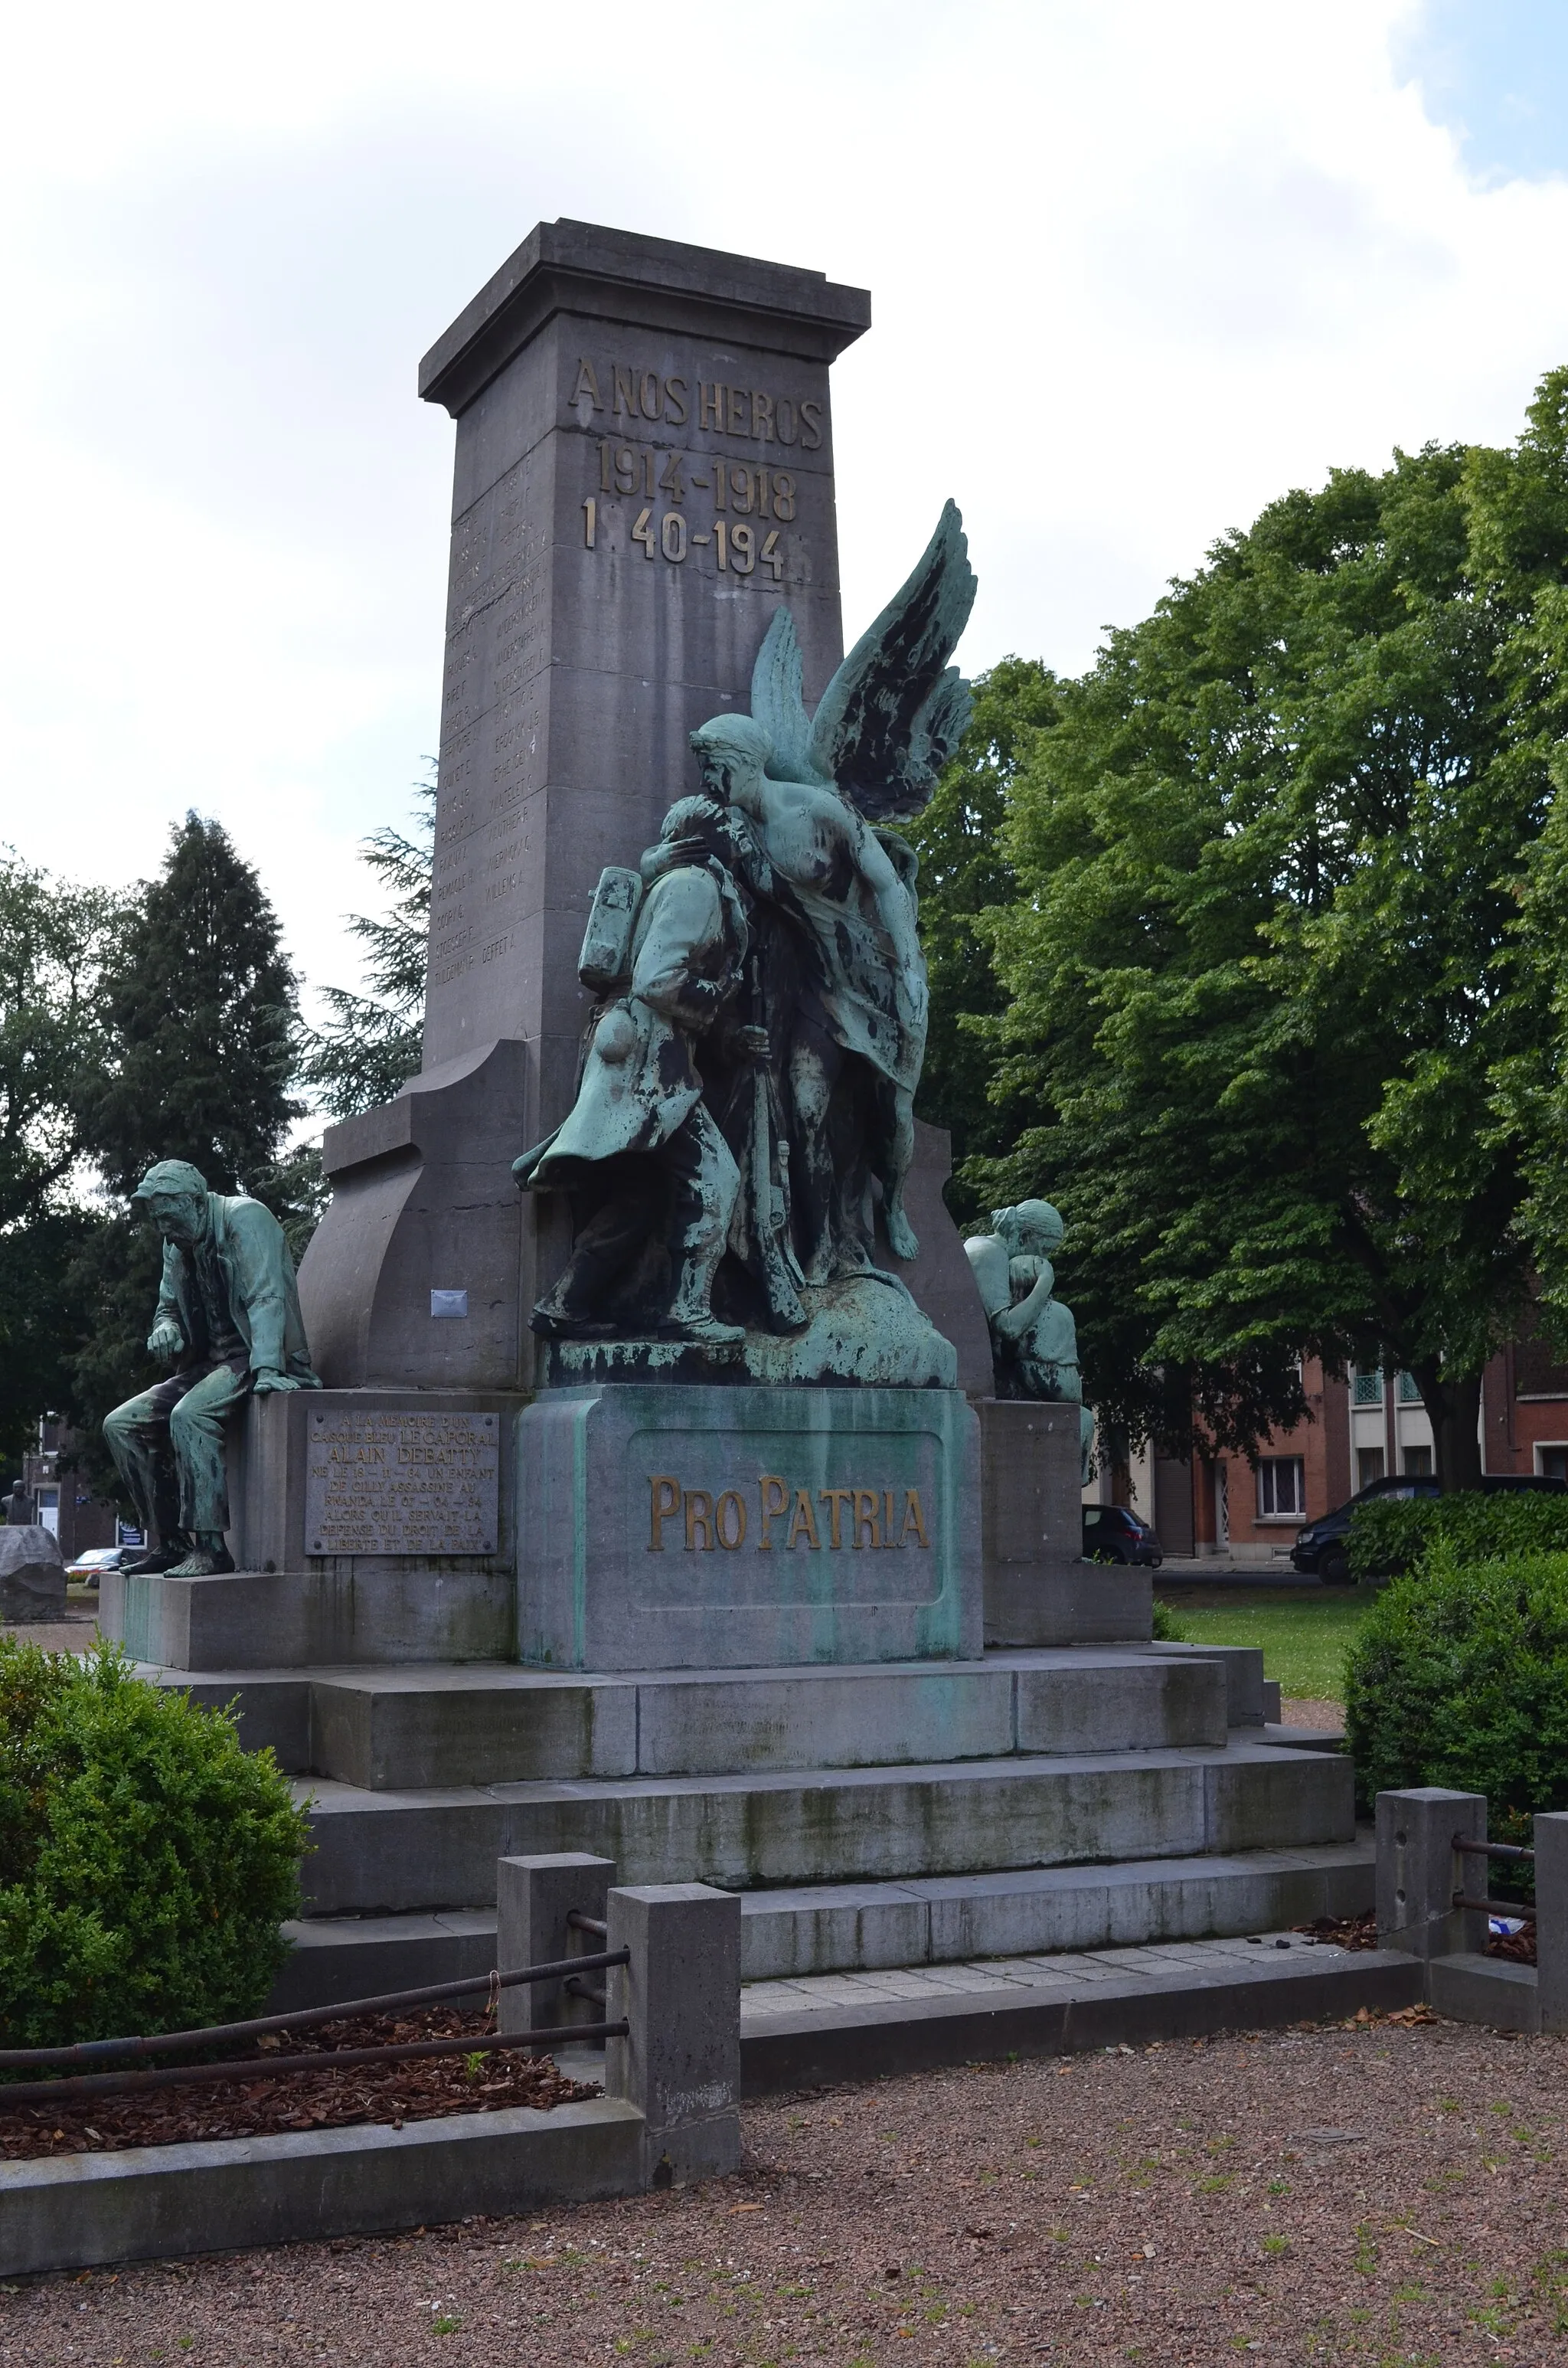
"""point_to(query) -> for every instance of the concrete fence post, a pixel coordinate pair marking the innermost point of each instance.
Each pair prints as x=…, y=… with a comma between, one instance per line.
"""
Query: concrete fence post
x=1551, y=1919
x=681, y=1992
x=533, y=1898
x=1419, y=1870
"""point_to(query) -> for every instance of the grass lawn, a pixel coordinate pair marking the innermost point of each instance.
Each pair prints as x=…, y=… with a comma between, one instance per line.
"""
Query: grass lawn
x=1303, y=1634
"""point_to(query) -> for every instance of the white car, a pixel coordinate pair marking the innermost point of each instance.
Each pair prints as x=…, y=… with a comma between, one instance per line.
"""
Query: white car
x=96, y=1560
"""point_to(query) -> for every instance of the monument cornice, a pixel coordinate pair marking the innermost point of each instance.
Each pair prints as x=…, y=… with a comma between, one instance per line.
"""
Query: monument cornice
x=570, y=266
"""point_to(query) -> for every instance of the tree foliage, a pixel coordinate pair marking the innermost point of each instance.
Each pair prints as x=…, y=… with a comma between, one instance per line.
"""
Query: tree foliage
x=964, y=868
x=371, y=1043
x=53, y=942
x=200, y=1006
x=1262, y=974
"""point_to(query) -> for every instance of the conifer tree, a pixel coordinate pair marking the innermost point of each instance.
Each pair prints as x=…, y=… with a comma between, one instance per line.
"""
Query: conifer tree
x=200, y=1004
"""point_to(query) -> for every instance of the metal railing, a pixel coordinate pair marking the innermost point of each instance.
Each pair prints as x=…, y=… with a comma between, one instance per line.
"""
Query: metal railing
x=1514, y=1852
x=256, y=2068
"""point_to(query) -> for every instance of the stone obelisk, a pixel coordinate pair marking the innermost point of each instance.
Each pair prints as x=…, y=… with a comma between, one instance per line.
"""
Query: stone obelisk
x=644, y=473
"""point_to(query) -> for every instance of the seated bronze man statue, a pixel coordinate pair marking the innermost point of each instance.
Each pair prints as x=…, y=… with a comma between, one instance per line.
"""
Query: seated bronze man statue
x=228, y=1312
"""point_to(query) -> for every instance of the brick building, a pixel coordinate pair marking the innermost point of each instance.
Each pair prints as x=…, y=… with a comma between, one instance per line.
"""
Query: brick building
x=61, y=1497
x=1362, y=1428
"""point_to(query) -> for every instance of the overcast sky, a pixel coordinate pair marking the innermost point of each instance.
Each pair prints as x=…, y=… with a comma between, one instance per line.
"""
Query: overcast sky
x=1135, y=268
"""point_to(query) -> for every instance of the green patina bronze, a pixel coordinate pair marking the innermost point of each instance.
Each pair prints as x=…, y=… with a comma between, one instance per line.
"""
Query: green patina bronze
x=746, y=1102
x=228, y=1320
x=1034, y=1340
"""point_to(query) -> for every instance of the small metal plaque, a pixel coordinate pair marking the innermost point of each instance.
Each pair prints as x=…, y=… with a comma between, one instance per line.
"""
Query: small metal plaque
x=451, y=1305
x=395, y=1482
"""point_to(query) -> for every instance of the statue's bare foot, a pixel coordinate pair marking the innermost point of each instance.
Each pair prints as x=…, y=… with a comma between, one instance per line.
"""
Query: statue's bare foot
x=204, y=1562
x=902, y=1239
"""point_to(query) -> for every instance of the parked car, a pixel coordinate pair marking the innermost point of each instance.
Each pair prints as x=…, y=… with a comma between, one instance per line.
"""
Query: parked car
x=1321, y=1546
x=89, y=1566
x=1115, y=1533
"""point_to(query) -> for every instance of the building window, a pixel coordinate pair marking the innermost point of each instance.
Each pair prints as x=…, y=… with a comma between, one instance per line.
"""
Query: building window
x=1369, y=1466
x=1280, y=1490
x=1553, y=1462
x=1368, y=1389
x=1409, y=1395
x=1418, y=1462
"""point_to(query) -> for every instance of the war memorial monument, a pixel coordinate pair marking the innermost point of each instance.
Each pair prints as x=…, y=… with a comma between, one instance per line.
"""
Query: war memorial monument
x=677, y=1491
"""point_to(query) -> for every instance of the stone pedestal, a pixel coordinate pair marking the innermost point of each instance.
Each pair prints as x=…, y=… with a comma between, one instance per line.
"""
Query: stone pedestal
x=1039, y=1589
x=665, y=1526
x=368, y=1526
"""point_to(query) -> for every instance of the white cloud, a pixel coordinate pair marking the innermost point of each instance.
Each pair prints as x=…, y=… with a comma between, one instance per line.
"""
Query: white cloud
x=1135, y=269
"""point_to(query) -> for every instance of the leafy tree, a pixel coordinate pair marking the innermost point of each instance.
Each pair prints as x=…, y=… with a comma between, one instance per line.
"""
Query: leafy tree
x=1264, y=977
x=371, y=1043
x=199, y=1003
x=53, y=941
x=964, y=868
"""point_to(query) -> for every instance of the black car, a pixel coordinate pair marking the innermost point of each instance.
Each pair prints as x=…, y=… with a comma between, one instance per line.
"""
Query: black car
x=1112, y=1533
x=1320, y=1546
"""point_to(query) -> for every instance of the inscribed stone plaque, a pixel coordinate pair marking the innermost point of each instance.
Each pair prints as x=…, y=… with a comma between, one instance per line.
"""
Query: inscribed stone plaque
x=394, y=1483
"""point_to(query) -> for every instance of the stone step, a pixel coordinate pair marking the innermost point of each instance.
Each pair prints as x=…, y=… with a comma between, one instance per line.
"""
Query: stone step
x=399, y=1729
x=806, y=2034
x=383, y=1852
x=849, y=1928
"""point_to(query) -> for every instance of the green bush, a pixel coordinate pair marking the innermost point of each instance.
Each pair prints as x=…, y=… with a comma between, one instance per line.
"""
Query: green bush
x=147, y=1861
x=1390, y=1535
x=1459, y=1676
x=1166, y=1629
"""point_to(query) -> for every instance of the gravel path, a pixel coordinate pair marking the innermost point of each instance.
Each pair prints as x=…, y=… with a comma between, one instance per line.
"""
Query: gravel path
x=1383, y=2193
x=1298, y=1710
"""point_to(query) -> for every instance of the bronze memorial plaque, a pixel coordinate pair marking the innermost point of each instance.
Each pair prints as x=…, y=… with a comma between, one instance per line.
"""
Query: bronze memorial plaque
x=394, y=1483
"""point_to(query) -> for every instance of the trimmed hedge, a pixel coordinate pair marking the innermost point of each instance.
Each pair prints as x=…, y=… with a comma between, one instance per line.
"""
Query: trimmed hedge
x=147, y=1861
x=1390, y=1536
x=1459, y=1676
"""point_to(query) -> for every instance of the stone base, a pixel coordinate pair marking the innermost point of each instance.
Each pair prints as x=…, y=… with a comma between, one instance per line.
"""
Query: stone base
x=267, y=1620
x=679, y=1527
x=1039, y=1589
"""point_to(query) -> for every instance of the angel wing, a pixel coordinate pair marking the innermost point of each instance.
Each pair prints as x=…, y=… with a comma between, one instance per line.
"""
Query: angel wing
x=777, y=704
x=893, y=712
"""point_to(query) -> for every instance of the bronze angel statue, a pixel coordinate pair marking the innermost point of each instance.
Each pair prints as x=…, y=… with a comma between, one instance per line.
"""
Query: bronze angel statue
x=801, y=1021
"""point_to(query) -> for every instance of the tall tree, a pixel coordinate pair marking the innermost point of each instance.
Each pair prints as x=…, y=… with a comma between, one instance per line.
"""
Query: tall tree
x=371, y=1043
x=964, y=868
x=1263, y=969
x=53, y=941
x=199, y=1005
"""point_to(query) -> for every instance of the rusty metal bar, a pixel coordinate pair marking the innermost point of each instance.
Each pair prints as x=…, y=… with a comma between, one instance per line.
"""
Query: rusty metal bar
x=1519, y=1908
x=223, y=2034
x=581, y=1923
x=346, y=2059
x=1492, y=1849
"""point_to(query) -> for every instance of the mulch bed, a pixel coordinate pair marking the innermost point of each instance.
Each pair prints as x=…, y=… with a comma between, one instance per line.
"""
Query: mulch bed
x=1343, y=1931
x=417, y=2091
